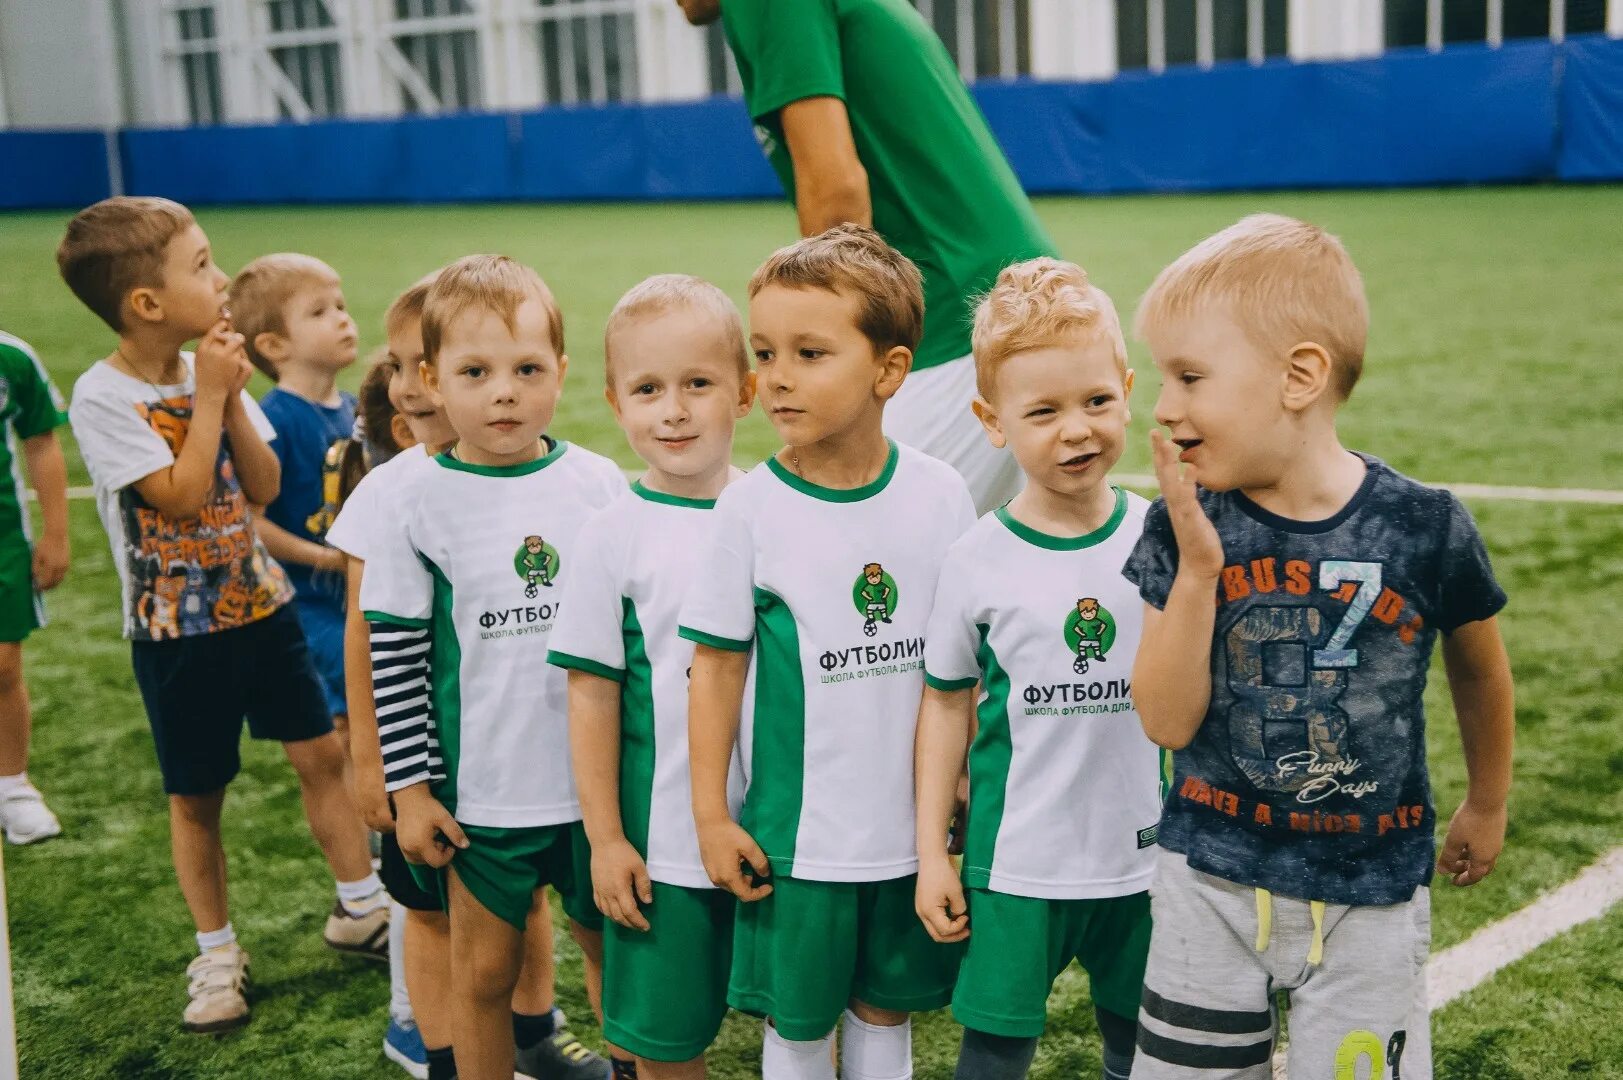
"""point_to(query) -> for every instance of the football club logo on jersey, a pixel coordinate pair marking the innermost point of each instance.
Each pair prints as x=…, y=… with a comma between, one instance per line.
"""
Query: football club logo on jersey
x=536, y=562
x=1090, y=631
x=875, y=596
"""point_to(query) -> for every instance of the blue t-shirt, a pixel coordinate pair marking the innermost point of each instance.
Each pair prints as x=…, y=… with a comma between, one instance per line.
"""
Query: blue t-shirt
x=305, y=432
x=1308, y=775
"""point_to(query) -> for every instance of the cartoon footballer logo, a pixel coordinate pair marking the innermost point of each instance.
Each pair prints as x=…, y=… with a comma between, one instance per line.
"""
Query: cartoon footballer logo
x=536, y=561
x=1090, y=631
x=875, y=596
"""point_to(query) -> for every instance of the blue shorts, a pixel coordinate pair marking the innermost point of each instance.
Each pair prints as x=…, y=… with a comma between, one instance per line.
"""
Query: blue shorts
x=323, y=623
x=199, y=689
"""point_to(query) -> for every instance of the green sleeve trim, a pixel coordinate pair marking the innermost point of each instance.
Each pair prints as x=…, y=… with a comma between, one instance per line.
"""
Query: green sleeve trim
x=581, y=663
x=949, y=685
x=715, y=641
x=396, y=620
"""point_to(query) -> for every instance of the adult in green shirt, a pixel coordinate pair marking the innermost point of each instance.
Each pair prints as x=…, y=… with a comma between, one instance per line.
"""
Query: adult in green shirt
x=864, y=118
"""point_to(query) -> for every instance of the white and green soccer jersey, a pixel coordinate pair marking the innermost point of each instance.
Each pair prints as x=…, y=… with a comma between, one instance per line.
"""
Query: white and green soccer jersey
x=29, y=406
x=832, y=588
x=637, y=559
x=476, y=556
x=366, y=513
x=1064, y=787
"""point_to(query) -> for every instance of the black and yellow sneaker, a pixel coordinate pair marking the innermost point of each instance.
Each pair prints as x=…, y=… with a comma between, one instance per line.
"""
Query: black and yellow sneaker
x=561, y=1056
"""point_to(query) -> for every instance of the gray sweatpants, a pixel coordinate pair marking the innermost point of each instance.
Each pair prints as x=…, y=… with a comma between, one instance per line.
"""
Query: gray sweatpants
x=1218, y=953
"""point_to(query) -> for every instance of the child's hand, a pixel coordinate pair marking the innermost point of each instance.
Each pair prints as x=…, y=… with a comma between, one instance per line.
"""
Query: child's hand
x=939, y=901
x=372, y=799
x=620, y=884
x=725, y=847
x=428, y=834
x=1200, y=550
x=220, y=361
x=1472, y=845
x=50, y=561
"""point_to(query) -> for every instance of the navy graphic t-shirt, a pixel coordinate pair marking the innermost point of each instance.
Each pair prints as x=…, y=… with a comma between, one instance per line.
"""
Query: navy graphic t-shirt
x=1308, y=775
x=308, y=502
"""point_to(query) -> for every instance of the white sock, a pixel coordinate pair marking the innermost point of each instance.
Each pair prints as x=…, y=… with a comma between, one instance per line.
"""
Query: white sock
x=10, y=785
x=216, y=939
x=786, y=1059
x=362, y=897
x=399, y=1003
x=871, y=1052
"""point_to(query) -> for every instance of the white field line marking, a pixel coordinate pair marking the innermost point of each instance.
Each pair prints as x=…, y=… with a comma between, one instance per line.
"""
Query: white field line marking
x=1459, y=969
x=1142, y=481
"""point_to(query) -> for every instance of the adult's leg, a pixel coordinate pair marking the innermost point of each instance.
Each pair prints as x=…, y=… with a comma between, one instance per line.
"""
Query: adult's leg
x=931, y=413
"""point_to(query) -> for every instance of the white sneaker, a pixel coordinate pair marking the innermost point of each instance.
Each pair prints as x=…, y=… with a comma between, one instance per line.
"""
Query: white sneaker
x=26, y=817
x=218, y=984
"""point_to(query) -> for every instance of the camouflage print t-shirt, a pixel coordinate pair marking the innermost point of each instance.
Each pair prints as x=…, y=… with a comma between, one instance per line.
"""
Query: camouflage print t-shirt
x=1308, y=775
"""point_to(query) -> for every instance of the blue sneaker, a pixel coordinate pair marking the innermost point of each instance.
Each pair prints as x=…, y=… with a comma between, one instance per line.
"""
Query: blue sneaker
x=403, y=1045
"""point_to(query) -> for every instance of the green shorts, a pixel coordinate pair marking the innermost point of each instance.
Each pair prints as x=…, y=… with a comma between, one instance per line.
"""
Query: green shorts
x=1018, y=945
x=21, y=609
x=665, y=989
x=810, y=947
x=502, y=868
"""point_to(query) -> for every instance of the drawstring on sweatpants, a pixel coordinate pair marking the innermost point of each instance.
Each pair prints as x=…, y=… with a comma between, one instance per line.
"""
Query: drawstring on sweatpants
x=1265, y=925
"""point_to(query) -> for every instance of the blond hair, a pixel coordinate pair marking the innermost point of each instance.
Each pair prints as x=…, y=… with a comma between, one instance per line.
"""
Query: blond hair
x=664, y=293
x=1037, y=304
x=262, y=291
x=492, y=282
x=888, y=287
x=1284, y=281
x=115, y=246
x=408, y=306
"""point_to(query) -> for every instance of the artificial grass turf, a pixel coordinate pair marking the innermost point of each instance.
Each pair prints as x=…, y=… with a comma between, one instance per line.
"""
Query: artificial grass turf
x=1490, y=361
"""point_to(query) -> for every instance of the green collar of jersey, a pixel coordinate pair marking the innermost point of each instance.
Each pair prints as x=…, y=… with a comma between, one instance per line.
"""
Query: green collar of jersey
x=1068, y=543
x=653, y=496
x=521, y=469
x=838, y=495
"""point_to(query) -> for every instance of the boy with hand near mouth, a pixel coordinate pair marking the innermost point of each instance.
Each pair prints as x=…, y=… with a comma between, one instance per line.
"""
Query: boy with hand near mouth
x=1293, y=601
x=177, y=452
x=678, y=381
x=1064, y=789
x=474, y=730
x=823, y=854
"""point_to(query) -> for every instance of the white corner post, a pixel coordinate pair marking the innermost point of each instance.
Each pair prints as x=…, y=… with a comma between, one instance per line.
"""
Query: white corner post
x=1074, y=39
x=1345, y=30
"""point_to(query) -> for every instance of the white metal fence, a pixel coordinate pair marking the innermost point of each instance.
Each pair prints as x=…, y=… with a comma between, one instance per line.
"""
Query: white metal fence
x=212, y=61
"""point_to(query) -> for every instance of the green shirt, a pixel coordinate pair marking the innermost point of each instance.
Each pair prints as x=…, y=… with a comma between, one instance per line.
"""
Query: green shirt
x=29, y=406
x=942, y=192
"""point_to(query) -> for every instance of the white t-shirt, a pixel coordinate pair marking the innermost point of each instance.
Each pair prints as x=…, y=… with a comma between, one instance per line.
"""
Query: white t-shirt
x=621, y=605
x=839, y=657
x=1064, y=786
x=178, y=578
x=369, y=506
x=477, y=555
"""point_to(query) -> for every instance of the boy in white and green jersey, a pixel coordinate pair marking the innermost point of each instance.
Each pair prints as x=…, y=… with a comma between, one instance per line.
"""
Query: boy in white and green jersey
x=471, y=719
x=827, y=823
x=1035, y=622
x=30, y=412
x=678, y=380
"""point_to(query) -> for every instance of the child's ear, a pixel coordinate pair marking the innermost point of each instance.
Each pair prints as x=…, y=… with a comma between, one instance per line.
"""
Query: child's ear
x=1127, y=394
x=563, y=369
x=1307, y=376
x=143, y=303
x=746, y=394
x=272, y=347
x=431, y=382
x=893, y=368
x=988, y=417
x=401, y=431
x=613, y=400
